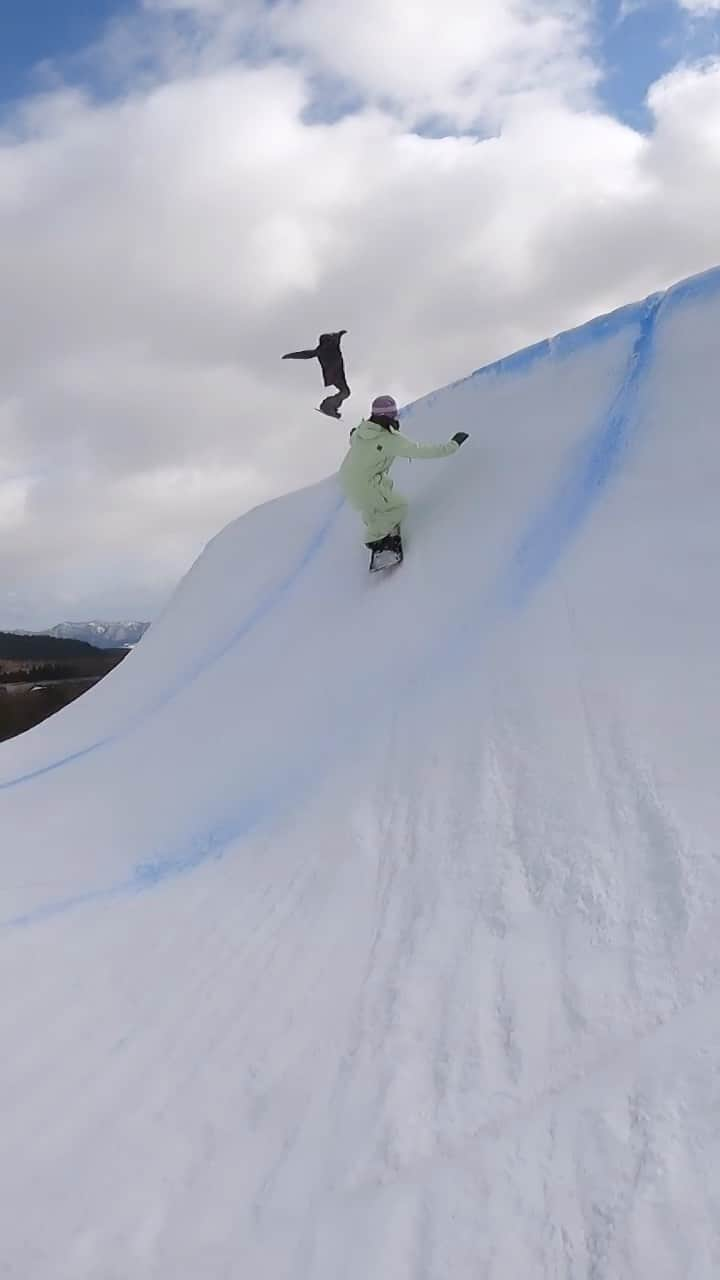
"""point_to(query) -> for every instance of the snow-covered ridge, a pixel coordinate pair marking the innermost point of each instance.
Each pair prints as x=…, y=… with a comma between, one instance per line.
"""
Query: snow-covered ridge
x=369, y=928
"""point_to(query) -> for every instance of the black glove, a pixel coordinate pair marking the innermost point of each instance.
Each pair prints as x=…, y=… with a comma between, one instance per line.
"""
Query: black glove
x=460, y=437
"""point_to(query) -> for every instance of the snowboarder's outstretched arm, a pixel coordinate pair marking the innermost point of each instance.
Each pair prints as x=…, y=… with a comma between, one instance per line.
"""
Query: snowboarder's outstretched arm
x=328, y=346
x=400, y=447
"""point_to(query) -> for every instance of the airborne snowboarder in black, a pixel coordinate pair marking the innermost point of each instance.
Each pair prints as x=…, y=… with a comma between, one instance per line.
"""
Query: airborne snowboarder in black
x=329, y=354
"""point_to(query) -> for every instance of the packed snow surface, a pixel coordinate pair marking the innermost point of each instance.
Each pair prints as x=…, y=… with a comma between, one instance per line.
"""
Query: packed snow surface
x=368, y=927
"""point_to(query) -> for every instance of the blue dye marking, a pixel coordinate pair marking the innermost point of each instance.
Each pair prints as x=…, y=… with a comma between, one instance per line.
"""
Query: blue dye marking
x=188, y=677
x=572, y=341
x=61, y=905
x=560, y=347
x=200, y=848
x=537, y=552
x=705, y=285
x=550, y=532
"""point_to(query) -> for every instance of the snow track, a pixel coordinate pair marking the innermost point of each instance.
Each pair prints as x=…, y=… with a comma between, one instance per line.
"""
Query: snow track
x=369, y=927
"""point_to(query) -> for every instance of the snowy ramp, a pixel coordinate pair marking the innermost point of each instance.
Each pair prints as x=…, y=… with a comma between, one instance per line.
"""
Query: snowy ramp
x=368, y=927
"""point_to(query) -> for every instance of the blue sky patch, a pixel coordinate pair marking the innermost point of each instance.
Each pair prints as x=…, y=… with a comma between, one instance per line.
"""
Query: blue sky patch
x=635, y=44
x=37, y=31
x=642, y=45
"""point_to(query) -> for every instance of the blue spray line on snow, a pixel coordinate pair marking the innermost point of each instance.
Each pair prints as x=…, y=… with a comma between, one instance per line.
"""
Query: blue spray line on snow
x=254, y=618
x=269, y=801
x=599, y=459
x=563, y=345
x=204, y=846
x=594, y=463
x=535, y=555
x=573, y=341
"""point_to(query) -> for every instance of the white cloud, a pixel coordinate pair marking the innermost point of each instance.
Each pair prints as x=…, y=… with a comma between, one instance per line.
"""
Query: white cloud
x=454, y=58
x=13, y=498
x=159, y=252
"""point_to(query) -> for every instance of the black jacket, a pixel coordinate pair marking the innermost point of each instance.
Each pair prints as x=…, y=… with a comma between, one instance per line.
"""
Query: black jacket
x=329, y=354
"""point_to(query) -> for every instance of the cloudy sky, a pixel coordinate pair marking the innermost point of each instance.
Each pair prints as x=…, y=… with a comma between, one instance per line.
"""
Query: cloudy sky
x=189, y=188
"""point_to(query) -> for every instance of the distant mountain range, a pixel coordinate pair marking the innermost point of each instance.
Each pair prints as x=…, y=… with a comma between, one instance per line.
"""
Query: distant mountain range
x=104, y=635
x=101, y=635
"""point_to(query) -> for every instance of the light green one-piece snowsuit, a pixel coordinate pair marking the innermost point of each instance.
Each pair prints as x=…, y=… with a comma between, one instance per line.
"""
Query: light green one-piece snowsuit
x=364, y=474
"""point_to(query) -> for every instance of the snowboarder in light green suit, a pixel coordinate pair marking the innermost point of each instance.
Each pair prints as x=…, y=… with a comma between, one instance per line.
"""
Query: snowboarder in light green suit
x=364, y=473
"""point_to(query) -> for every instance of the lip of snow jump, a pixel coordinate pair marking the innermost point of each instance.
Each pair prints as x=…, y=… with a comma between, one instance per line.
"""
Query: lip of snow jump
x=592, y=468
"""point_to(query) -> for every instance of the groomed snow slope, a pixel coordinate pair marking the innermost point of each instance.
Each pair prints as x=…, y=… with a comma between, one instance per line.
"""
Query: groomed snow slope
x=369, y=927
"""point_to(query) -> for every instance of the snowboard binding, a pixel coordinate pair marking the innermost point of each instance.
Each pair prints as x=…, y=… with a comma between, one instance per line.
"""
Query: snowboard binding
x=386, y=552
